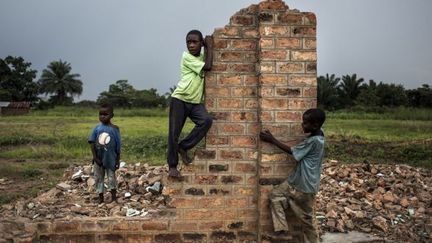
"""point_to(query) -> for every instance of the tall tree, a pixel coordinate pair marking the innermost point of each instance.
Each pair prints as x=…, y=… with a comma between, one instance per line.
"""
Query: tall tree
x=16, y=80
x=368, y=94
x=58, y=80
x=327, y=91
x=118, y=94
x=349, y=89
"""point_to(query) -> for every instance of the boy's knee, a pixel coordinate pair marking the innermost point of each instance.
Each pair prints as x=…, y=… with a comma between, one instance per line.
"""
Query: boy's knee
x=208, y=121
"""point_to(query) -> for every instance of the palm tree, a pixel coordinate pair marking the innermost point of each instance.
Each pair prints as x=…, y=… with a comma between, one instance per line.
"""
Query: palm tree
x=327, y=91
x=58, y=80
x=349, y=89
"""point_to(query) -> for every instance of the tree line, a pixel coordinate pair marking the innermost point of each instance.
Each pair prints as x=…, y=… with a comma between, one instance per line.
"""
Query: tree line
x=61, y=85
x=350, y=91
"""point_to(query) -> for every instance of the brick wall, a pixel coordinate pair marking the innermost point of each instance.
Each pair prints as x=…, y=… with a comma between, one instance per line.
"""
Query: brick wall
x=264, y=77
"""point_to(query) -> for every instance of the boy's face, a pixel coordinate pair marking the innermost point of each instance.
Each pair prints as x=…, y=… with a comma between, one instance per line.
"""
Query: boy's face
x=194, y=44
x=105, y=115
x=307, y=125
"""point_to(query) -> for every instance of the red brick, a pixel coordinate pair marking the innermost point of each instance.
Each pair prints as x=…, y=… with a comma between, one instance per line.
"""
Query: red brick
x=274, y=104
x=309, y=43
x=210, y=103
x=267, y=67
x=243, y=141
x=184, y=226
x=251, y=180
x=248, y=213
x=289, y=92
x=273, y=157
x=251, y=104
x=266, y=116
x=230, y=80
x=269, y=79
x=310, y=92
x=250, y=57
x=244, y=116
x=304, y=31
x=265, y=169
x=288, y=116
x=205, y=179
x=250, y=80
x=237, y=202
x=66, y=226
x=244, y=191
x=242, y=68
x=297, y=104
x=311, y=67
x=213, y=202
x=302, y=80
x=303, y=56
x=230, y=56
x=219, y=67
x=275, y=31
x=293, y=67
x=229, y=103
x=212, y=225
x=266, y=43
x=250, y=33
x=139, y=238
x=220, y=116
x=310, y=18
x=277, y=129
x=232, y=129
x=290, y=18
x=219, y=92
x=245, y=167
x=155, y=225
x=253, y=129
x=267, y=92
x=228, y=31
x=243, y=20
x=178, y=202
x=272, y=5
x=219, y=43
x=290, y=43
x=231, y=154
x=244, y=91
x=243, y=44
x=217, y=140
x=221, y=214
x=127, y=225
x=274, y=55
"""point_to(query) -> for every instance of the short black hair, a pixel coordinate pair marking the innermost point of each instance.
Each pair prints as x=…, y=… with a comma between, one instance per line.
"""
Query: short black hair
x=107, y=106
x=315, y=116
x=195, y=32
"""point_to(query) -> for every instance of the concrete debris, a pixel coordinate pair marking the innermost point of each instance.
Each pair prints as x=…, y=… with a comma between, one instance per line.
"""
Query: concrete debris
x=76, y=195
x=391, y=201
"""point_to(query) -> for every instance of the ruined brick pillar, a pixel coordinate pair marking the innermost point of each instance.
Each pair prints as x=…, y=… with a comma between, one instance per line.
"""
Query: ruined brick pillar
x=264, y=77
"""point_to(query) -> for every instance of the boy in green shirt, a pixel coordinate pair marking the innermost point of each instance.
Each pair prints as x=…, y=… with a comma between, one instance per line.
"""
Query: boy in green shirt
x=187, y=100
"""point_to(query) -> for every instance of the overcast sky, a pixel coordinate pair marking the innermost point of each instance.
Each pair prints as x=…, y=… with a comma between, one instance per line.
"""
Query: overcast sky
x=142, y=41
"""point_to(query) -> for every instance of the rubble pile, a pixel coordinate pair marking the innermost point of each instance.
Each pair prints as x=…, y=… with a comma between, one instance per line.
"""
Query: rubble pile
x=392, y=201
x=139, y=194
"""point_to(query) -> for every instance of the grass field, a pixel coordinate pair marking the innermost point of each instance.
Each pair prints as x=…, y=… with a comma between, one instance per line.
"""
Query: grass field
x=43, y=143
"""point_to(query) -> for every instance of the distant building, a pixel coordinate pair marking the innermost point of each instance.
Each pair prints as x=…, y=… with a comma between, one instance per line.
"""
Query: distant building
x=14, y=108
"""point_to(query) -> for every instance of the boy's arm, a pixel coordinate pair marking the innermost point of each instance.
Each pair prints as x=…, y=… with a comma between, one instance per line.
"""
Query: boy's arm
x=93, y=150
x=268, y=137
x=208, y=53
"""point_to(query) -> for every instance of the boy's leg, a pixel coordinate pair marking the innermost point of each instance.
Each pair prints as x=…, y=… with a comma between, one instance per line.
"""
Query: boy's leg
x=99, y=173
x=203, y=122
x=278, y=204
x=112, y=183
x=302, y=206
x=177, y=118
